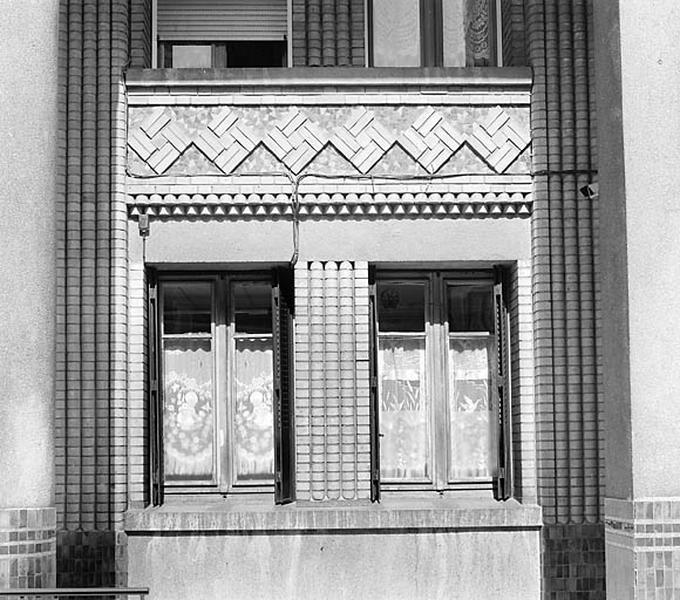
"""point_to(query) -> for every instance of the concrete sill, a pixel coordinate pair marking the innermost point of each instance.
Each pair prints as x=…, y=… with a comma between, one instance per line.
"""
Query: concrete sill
x=516, y=79
x=252, y=515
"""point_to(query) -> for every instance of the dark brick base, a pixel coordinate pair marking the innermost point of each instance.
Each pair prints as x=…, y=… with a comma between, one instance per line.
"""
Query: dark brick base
x=91, y=558
x=573, y=562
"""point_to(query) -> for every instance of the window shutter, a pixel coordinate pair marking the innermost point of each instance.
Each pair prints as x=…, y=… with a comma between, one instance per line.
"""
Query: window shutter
x=284, y=438
x=503, y=484
x=155, y=400
x=374, y=397
x=222, y=20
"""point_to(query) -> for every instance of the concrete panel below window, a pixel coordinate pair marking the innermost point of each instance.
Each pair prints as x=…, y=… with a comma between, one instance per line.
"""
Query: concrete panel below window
x=454, y=564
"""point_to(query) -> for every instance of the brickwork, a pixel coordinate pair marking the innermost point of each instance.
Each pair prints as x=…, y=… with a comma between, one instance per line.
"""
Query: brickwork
x=27, y=547
x=328, y=33
x=647, y=533
x=565, y=253
x=91, y=558
x=522, y=377
x=513, y=35
x=140, y=33
x=91, y=217
x=573, y=562
x=331, y=381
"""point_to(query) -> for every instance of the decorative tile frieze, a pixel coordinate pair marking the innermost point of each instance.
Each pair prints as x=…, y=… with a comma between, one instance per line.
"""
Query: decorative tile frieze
x=498, y=140
x=227, y=136
x=431, y=140
x=394, y=205
x=295, y=141
x=363, y=140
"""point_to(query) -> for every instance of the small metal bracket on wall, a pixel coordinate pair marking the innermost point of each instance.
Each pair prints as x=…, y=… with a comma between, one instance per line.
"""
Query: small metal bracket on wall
x=144, y=226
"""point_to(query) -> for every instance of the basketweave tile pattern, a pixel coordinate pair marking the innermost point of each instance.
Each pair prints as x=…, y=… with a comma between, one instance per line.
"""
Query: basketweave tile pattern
x=27, y=547
x=227, y=136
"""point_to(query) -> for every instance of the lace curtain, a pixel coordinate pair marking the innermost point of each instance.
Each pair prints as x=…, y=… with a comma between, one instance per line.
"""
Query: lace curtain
x=478, y=32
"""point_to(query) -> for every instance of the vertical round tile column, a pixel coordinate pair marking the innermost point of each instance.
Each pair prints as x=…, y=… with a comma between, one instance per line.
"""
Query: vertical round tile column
x=28, y=126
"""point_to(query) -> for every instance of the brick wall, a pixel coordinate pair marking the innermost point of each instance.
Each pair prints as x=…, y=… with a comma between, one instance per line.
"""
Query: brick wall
x=331, y=381
x=513, y=34
x=91, y=384
x=564, y=232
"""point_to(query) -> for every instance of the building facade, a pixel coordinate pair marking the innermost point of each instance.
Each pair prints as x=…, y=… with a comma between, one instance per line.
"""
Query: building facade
x=338, y=309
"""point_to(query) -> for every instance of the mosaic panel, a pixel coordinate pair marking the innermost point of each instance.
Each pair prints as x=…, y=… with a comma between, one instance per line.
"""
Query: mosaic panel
x=219, y=139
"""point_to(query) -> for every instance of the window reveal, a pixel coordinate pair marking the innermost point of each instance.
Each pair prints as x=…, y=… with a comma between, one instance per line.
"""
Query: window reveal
x=220, y=351
x=440, y=352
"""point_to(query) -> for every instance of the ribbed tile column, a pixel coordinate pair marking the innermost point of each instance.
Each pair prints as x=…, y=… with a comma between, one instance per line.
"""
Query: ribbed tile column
x=91, y=391
x=565, y=290
x=29, y=128
x=331, y=380
x=329, y=33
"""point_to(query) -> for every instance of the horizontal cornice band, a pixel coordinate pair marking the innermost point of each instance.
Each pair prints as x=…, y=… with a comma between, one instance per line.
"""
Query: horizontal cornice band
x=366, y=205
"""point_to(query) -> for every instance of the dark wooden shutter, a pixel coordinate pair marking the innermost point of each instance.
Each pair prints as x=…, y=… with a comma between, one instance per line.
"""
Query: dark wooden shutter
x=374, y=397
x=503, y=484
x=284, y=433
x=155, y=399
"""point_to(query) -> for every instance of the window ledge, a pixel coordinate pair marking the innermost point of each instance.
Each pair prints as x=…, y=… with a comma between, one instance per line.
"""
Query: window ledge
x=242, y=515
x=398, y=78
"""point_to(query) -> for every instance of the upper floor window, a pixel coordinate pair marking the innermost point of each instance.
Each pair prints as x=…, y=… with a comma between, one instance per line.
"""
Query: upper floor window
x=434, y=33
x=221, y=33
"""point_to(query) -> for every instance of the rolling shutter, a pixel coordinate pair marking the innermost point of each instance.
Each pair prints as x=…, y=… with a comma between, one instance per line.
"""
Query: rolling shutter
x=284, y=438
x=221, y=20
x=503, y=483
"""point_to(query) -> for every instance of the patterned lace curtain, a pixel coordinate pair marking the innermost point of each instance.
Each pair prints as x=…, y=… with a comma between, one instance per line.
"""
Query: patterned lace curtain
x=478, y=34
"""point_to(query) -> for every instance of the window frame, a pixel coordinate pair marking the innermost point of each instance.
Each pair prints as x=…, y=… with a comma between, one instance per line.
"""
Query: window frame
x=431, y=33
x=219, y=48
x=224, y=481
x=438, y=381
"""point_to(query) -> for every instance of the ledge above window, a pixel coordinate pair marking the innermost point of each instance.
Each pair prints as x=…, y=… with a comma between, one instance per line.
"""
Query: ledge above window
x=244, y=515
x=511, y=79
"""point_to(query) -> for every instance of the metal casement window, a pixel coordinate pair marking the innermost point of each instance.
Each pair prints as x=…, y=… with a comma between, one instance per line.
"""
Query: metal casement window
x=220, y=384
x=441, y=402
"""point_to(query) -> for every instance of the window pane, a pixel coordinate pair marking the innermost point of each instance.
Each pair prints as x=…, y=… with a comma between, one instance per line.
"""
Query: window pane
x=479, y=34
x=254, y=417
x=401, y=306
x=404, y=409
x=186, y=57
x=470, y=307
x=188, y=409
x=471, y=411
x=253, y=307
x=453, y=30
x=187, y=307
x=396, y=33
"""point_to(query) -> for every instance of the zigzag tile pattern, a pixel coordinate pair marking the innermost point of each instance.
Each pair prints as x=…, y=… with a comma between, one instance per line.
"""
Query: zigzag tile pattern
x=295, y=140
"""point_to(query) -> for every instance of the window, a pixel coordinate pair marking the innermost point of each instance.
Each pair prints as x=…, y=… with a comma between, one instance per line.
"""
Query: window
x=222, y=33
x=220, y=383
x=440, y=396
x=434, y=33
